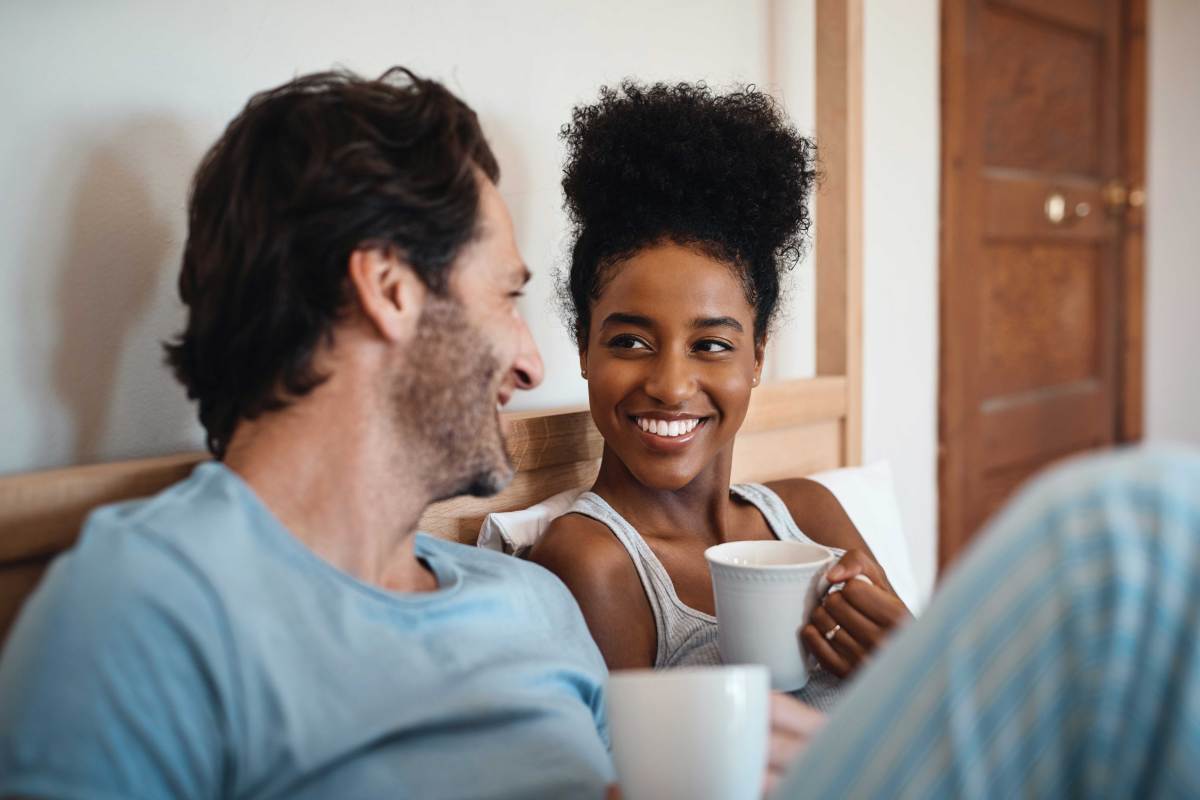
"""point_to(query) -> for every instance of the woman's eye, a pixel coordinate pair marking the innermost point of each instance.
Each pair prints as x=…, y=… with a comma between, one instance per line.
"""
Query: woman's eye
x=713, y=346
x=627, y=342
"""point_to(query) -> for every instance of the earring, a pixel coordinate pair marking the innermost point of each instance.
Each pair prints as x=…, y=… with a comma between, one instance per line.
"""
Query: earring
x=755, y=382
x=583, y=374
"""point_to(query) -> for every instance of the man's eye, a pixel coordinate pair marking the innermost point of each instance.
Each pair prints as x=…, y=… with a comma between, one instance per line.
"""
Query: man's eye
x=713, y=346
x=626, y=342
x=516, y=294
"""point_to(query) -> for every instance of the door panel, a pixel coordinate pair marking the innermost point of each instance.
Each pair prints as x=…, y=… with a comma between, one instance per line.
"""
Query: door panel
x=1041, y=318
x=1088, y=15
x=1031, y=255
x=1045, y=426
x=1042, y=90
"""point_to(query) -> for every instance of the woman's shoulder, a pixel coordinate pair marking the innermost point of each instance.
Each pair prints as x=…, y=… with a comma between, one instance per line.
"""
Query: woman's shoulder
x=581, y=551
x=803, y=492
x=587, y=556
x=817, y=512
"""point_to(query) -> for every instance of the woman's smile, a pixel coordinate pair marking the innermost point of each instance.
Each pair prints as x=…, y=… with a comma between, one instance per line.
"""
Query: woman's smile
x=666, y=433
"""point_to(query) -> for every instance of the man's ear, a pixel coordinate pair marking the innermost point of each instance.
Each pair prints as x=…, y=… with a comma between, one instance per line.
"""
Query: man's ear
x=388, y=291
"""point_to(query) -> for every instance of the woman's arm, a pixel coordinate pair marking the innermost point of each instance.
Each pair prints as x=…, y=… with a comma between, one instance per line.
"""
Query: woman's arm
x=848, y=626
x=586, y=557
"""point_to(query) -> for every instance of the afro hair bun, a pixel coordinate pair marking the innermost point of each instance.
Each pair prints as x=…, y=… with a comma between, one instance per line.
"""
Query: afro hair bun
x=647, y=164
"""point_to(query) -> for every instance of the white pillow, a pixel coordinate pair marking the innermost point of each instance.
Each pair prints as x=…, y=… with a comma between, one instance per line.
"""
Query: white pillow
x=869, y=497
x=514, y=532
x=866, y=493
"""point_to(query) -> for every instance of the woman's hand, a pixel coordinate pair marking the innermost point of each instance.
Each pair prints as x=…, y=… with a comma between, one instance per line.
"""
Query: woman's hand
x=850, y=625
x=793, y=725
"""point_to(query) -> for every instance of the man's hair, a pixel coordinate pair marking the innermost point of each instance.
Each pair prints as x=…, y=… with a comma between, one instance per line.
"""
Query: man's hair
x=305, y=175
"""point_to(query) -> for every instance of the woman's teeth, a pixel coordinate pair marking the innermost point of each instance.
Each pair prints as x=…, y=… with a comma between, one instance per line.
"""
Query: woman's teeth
x=662, y=427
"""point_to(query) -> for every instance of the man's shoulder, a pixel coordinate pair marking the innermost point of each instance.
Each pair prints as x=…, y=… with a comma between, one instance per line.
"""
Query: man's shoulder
x=149, y=552
x=205, y=499
x=528, y=586
x=208, y=523
x=121, y=590
x=483, y=565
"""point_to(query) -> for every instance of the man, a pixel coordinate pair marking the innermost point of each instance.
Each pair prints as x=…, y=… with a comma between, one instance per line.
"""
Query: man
x=272, y=626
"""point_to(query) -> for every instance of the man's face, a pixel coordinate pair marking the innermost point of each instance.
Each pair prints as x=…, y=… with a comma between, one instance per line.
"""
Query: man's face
x=471, y=353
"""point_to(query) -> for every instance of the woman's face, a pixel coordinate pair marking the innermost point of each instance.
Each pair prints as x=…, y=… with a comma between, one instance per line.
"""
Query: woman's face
x=670, y=362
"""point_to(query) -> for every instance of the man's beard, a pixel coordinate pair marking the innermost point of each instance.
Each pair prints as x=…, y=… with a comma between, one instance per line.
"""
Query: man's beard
x=445, y=399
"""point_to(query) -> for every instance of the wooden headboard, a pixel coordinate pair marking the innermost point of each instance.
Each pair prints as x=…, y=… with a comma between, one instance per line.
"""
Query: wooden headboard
x=793, y=427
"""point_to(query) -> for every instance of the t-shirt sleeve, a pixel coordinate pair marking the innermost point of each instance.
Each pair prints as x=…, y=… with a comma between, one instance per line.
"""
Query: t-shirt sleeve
x=111, y=684
x=571, y=631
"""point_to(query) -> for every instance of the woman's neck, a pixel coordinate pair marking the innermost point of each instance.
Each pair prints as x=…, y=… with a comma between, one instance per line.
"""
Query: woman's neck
x=700, y=508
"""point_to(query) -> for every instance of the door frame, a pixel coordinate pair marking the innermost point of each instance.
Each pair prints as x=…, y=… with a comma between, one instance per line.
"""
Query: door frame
x=955, y=138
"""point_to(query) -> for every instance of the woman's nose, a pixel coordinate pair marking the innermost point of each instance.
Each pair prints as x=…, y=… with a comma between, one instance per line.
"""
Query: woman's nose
x=671, y=381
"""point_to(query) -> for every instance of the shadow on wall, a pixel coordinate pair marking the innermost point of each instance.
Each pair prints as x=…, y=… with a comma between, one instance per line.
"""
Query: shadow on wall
x=122, y=242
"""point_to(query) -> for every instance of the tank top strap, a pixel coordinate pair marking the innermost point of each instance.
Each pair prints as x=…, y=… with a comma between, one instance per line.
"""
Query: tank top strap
x=660, y=591
x=776, y=513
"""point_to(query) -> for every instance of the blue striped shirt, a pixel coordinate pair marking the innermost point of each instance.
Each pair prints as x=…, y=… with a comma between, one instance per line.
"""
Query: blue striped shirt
x=1059, y=658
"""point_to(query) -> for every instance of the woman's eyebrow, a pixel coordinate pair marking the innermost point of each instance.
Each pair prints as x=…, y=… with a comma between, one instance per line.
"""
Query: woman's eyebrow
x=717, y=322
x=624, y=318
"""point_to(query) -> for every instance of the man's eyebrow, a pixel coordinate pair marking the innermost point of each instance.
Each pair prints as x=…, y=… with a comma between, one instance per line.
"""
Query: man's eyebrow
x=717, y=322
x=624, y=318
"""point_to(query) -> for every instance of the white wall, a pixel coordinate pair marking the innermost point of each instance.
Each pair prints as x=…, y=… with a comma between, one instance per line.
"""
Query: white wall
x=108, y=107
x=1172, y=378
x=900, y=259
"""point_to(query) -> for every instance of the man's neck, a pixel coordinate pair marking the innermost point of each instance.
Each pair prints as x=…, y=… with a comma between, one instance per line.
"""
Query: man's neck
x=330, y=470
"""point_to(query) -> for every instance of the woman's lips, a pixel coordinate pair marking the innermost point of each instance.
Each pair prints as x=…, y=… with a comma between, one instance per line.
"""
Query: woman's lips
x=668, y=435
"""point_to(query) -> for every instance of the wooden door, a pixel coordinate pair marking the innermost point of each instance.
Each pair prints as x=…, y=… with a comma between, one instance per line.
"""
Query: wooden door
x=1035, y=177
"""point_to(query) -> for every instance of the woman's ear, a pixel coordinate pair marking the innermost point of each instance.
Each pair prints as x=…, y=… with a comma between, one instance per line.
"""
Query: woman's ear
x=760, y=350
x=388, y=291
x=581, y=342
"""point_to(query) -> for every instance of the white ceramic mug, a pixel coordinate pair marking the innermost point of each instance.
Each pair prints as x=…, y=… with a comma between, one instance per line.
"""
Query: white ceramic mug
x=765, y=593
x=694, y=733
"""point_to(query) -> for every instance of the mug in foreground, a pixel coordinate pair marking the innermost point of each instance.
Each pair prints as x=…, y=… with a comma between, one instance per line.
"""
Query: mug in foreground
x=697, y=733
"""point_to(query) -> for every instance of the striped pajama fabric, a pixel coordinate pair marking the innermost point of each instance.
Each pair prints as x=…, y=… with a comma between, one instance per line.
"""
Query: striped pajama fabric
x=1059, y=659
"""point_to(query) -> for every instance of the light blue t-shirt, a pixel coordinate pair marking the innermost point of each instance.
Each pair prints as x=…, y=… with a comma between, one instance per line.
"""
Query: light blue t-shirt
x=190, y=647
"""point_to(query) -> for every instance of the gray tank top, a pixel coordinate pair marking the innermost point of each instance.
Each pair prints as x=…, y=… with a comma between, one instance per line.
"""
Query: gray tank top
x=686, y=636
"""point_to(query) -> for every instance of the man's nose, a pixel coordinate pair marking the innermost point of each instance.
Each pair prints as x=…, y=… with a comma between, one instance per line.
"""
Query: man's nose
x=527, y=367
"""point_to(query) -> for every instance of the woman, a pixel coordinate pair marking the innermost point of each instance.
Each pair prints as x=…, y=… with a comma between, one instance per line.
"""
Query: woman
x=686, y=208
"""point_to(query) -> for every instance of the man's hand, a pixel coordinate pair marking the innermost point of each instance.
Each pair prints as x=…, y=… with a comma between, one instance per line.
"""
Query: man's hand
x=849, y=625
x=793, y=725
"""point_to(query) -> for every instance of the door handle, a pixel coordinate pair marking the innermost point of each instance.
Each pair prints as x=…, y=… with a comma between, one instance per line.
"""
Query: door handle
x=1059, y=212
x=1117, y=197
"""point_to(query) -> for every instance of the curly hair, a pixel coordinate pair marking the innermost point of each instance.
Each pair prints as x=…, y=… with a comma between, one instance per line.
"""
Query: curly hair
x=725, y=173
x=307, y=173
